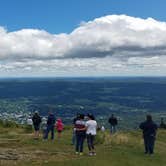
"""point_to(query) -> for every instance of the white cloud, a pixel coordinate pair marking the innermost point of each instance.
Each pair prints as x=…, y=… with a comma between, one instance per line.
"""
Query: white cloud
x=115, y=44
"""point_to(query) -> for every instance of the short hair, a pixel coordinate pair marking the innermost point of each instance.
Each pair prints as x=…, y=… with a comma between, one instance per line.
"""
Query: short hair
x=148, y=117
x=81, y=116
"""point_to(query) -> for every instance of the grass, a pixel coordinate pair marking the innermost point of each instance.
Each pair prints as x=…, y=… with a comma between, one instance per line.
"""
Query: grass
x=121, y=149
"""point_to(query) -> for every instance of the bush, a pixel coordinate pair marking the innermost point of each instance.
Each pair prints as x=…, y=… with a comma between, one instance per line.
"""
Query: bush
x=1, y=122
x=28, y=128
x=9, y=124
x=100, y=138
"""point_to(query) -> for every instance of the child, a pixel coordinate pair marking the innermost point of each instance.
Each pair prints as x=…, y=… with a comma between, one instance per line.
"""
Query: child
x=44, y=126
x=59, y=127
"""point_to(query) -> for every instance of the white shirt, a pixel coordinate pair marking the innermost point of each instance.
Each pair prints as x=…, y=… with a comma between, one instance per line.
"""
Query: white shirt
x=91, y=127
x=102, y=128
x=29, y=121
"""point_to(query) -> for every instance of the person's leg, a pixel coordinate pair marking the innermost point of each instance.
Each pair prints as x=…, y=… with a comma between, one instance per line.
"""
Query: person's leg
x=73, y=138
x=52, y=132
x=151, y=145
x=59, y=134
x=92, y=142
x=146, y=145
x=77, y=143
x=115, y=129
x=81, y=143
x=47, y=132
x=35, y=131
x=44, y=133
x=111, y=129
x=89, y=142
x=37, y=134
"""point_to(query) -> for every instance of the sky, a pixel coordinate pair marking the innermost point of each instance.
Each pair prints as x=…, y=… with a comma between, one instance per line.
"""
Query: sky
x=82, y=38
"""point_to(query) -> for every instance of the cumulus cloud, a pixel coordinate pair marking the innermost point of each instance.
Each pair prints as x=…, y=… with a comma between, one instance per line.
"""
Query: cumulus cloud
x=114, y=44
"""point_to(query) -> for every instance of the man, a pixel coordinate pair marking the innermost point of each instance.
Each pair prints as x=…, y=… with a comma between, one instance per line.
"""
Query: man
x=36, y=123
x=149, y=129
x=50, y=126
x=113, y=123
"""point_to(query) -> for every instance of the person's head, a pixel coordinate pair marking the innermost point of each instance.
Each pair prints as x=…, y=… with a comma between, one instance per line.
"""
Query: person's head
x=59, y=120
x=112, y=115
x=50, y=113
x=91, y=117
x=81, y=116
x=77, y=115
x=36, y=113
x=148, y=117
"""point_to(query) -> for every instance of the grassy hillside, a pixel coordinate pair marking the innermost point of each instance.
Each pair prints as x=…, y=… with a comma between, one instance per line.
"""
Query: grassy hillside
x=17, y=147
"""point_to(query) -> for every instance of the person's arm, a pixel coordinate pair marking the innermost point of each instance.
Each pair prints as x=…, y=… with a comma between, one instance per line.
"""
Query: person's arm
x=141, y=126
x=116, y=121
x=84, y=128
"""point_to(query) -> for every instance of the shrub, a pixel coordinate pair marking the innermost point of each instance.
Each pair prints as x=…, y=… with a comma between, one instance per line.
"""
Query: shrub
x=28, y=128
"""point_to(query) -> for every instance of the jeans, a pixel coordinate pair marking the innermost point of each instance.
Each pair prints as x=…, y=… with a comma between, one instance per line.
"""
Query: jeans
x=49, y=128
x=149, y=142
x=90, y=141
x=80, y=137
x=113, y=129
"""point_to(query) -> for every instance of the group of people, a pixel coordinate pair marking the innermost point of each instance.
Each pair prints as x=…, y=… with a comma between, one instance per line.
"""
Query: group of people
x=47, y=125
x=85, y=128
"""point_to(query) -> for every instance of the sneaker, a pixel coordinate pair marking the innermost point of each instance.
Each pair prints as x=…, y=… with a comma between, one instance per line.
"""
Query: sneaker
x=76, y=153
x=90, y=154
x=94, y=153
x=81, y=154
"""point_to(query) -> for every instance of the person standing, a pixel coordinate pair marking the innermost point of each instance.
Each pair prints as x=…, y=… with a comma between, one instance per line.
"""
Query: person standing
x=91, y=127
x=36, y=123
x=113, y=123
x=149, y=129
x=50, y=126
x=74, y=130
x=59, y=127
x=80, y=134
x=44, y=126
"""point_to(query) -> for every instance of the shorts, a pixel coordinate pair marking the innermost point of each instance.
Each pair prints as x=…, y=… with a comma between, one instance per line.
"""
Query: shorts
x=36, y=127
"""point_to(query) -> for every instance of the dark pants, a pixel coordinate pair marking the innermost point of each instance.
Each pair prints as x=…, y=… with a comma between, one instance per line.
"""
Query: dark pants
x=149, y=144
x=90, y=141
x=36, y=127
x=49, y=128
x=79, y=142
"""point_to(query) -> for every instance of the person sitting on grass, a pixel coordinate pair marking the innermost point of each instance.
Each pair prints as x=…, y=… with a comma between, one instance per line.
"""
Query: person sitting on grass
x=36, y=123
x=91, y=127
x=59, y=127
x=80, y=134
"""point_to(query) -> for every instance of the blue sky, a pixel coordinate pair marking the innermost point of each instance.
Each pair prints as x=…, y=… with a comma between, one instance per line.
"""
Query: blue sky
x=82, y=38
x=58, y=16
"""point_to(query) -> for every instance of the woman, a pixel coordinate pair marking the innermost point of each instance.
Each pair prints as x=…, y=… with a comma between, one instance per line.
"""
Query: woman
x=91, y=127
x=80, y=134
